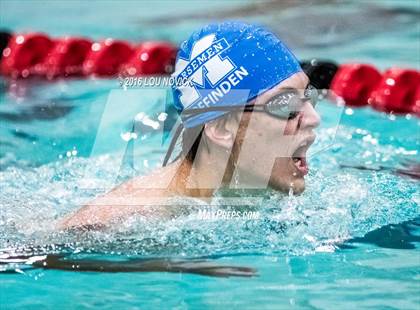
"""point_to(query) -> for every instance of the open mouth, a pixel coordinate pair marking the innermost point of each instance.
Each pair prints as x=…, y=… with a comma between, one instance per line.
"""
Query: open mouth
x=299, y=157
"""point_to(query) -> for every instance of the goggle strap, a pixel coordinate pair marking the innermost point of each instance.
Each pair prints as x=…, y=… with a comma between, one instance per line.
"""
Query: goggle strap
x=172, y=144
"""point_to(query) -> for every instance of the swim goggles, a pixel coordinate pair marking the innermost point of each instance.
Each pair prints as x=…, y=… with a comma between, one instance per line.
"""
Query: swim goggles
x=285, y=105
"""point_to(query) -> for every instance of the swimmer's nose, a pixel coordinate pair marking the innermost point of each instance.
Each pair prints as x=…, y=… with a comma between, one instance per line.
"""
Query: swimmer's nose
x=310, y=117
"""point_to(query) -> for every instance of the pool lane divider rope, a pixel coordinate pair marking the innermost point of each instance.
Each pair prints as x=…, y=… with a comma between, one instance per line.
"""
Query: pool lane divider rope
x=397, y=90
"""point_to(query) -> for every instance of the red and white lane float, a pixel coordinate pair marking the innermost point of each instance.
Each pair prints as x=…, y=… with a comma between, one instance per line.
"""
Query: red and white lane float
x=397, y=90
x=35, y=54
x=355, y=82
x=67, y=56
x=25, y=55
x=150, y=58
x=105, y=58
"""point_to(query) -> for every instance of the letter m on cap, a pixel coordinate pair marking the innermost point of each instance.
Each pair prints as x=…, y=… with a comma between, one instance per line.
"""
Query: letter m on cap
x=204, y=62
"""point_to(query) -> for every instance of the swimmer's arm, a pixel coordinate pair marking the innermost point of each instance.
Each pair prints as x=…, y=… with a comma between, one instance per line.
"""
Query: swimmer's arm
x=91, y=217
x=117, y=205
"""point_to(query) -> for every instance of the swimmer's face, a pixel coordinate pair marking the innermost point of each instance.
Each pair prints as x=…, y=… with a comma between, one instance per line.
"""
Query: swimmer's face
x=272, y=150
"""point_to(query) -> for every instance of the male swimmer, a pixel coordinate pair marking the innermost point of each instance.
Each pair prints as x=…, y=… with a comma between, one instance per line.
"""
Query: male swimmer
x=248, y=119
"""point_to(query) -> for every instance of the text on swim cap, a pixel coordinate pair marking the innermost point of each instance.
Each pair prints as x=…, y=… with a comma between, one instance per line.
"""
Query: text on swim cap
x=207, y=64
x=196, y=63
x=223, y=88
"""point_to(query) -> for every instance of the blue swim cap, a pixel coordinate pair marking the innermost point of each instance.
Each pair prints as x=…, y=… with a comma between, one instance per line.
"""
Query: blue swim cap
x=228, y=63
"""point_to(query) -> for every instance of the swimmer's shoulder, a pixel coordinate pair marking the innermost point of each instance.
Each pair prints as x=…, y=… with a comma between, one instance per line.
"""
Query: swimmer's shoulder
x=160, y=178
x=144, y=195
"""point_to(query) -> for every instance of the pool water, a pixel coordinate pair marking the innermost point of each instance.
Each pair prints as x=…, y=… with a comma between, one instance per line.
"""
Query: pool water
x=350, y=241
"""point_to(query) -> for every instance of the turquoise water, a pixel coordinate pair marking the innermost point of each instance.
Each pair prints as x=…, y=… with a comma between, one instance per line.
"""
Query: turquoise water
x=350, y=241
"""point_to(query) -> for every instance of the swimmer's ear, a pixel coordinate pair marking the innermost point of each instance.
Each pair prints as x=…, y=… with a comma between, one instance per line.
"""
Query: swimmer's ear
x=221, y=132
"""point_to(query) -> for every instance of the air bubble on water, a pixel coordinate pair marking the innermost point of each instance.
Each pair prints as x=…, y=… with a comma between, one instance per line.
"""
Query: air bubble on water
x=349, y=111
x=309, y=238
x=140, y=116
x=368, y=138
x=392, y=117
x=162, y=116
x=327, y=248
x=404, y=151
x=145, y=120
x=127, y=136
